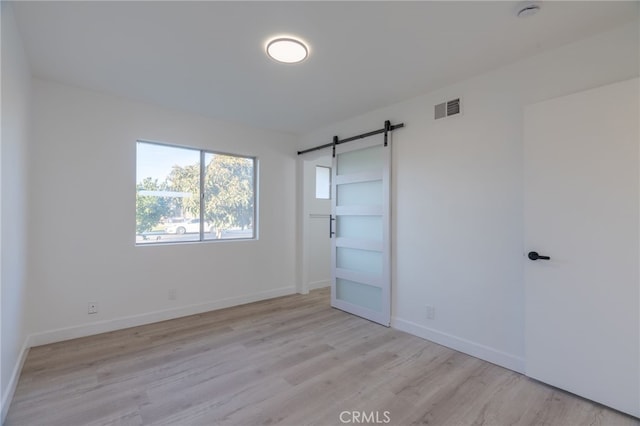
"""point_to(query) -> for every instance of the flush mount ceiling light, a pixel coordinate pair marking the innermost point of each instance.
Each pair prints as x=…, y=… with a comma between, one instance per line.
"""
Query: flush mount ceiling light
x=288, y=50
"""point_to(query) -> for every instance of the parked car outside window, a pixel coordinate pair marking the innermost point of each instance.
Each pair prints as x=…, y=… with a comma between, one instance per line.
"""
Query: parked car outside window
x=187, y=226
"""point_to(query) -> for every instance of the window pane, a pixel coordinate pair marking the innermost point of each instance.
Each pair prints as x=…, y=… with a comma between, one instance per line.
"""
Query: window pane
x=167, y=194
x=229, y=197
x=323, y=182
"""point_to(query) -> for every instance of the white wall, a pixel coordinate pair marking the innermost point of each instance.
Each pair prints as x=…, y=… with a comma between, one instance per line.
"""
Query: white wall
x=317, y=245
x=457, y=215
x=16, y=87
x=82, y=218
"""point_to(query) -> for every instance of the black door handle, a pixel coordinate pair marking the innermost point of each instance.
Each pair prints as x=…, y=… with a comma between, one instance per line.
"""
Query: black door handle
x=533, y=255
x=331, y=219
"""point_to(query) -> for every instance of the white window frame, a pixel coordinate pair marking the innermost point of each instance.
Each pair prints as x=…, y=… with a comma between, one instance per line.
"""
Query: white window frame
x=201, y=234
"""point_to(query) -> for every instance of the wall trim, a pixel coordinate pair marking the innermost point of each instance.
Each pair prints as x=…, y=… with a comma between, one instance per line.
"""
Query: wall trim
x=67, y=333
x=318, y=284
x=13, y=382
x=468, y=347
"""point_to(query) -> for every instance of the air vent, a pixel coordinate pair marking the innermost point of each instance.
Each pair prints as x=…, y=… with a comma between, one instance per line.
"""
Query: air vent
x=447, y=109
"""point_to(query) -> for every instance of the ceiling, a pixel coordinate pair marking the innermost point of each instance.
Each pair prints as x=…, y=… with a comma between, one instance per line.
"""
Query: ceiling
x=208, y=57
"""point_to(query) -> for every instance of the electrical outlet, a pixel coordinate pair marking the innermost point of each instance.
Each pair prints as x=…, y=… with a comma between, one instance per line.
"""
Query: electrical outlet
x=93, y=307
x=431, y=312
x=173, y=295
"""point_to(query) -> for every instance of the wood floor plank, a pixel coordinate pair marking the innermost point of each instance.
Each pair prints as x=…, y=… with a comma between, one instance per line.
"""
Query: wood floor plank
x=290, y=361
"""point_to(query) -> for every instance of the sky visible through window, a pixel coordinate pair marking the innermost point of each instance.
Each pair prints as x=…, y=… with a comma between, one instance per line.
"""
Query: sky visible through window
x=175, y=191
x=156, y=161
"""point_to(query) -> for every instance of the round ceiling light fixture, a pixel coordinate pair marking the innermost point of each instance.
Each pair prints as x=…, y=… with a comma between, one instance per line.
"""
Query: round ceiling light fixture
x=287, y=50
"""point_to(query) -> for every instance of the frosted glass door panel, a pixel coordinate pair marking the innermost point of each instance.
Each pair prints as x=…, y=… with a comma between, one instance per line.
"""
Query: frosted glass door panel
x=360, y=249
x=359, y=227
x=366, y=261
x=363, y=160
x=359, y=294
x=360, y=194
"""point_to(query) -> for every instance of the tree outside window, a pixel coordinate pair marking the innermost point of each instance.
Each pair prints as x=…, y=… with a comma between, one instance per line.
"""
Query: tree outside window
x=168, y=201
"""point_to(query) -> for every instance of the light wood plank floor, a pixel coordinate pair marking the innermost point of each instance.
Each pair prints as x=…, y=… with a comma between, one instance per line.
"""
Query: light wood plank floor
x=290, y=361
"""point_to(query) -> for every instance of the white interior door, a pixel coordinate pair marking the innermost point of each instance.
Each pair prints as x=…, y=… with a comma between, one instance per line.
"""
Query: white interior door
x=360, y=249
x=581, y=210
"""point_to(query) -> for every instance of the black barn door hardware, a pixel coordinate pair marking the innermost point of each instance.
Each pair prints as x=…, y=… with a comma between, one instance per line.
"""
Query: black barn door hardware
x=388, y=127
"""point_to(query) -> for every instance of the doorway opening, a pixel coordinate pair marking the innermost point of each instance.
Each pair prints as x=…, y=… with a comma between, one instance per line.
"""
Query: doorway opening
x=316, y=210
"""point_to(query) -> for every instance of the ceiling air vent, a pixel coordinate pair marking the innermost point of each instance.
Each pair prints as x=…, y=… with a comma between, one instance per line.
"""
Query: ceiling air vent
x=447, y=109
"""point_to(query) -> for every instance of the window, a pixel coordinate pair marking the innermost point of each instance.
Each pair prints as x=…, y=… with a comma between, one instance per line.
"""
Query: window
x=185, y=194
x=323, y=182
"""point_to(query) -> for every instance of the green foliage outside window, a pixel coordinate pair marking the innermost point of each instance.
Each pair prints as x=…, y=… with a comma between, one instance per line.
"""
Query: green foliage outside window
x=228, y=201
x=150, y=209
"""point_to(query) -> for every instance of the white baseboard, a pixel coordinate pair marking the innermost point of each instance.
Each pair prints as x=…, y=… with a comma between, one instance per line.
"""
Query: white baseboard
x=13, y=382
x=98, y=327
x=477, y=350
x=319, y=284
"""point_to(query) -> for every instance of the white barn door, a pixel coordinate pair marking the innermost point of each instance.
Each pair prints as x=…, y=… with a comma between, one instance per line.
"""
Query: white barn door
x=360, y=250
